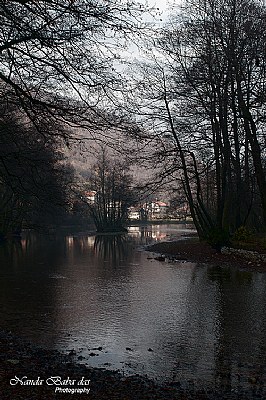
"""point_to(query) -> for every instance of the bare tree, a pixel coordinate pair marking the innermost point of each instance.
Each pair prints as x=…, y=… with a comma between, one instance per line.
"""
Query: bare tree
x=202, y=104
x=57, y=72
x=34, y=177
x=112, y=184
x=57, y=57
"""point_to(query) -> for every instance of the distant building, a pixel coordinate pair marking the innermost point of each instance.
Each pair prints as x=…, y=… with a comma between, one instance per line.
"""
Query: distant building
x=134, y=214
x=150, y=210
x=90, y=196
x=158, y=209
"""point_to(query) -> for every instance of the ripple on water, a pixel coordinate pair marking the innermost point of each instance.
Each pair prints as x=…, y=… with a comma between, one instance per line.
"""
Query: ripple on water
x=204, y=324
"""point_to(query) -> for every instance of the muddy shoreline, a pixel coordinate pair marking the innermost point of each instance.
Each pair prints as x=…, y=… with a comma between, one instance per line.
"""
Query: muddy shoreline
x=193, y=250
x=21, y=361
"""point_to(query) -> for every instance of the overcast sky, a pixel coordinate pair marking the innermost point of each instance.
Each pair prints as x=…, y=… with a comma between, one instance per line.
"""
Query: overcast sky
x=163, y=5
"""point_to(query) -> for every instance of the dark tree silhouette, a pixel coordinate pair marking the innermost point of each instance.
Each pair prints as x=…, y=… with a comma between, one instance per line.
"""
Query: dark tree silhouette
x=34, y=178
x=114, y=194
x=205, y=111
x=57, y=56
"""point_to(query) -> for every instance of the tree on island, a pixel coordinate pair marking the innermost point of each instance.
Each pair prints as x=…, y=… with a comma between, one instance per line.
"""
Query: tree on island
x=111, y=183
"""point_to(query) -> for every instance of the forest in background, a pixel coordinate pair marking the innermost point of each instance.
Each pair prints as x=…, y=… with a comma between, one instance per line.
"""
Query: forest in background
x=189, y=104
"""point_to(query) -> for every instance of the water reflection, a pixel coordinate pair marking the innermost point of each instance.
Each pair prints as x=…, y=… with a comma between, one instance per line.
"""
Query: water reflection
x=206, y=324
x=151, y=233
x=111, y=248
x=241, y=326
x=148, y=233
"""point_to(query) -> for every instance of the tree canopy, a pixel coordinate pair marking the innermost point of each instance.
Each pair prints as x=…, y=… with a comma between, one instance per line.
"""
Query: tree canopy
x=57, y=56
x=56, y=74
x=200, y=98
x=34, y=176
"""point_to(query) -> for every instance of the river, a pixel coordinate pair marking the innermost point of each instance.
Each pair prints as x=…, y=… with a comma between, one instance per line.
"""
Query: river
x=114, y=306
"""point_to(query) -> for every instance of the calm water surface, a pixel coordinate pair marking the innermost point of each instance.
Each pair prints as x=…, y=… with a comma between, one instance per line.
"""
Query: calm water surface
x=169, y=320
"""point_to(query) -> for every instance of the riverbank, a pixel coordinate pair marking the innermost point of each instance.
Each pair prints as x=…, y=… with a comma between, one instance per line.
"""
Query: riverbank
x=193, y=250
x=21, y=361
x=50, y=375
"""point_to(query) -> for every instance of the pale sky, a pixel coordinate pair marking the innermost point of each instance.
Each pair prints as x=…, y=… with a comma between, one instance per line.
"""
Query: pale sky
x=165, y=6
x=162, y=5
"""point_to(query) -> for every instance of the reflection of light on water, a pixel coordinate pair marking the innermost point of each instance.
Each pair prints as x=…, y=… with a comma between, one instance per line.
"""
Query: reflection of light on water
x=156, y=234
x=82, y=242
x=69, y=241
x=24, y=244
x=153, y=232
x=56, y=276
x=161, y=232
x=201, y=322
x=90, y=240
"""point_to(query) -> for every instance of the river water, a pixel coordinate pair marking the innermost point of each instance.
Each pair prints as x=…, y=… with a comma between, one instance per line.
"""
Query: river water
x=117, y=307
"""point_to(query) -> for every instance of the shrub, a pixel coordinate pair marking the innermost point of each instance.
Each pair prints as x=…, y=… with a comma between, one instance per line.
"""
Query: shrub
x=242, y=234
x=218, y=238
